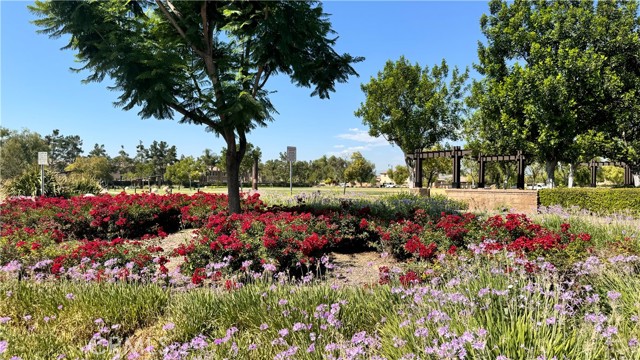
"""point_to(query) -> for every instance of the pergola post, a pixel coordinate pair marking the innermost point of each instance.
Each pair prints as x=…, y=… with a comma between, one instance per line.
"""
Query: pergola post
x=521, y=167
x=594, y=171
x=456, y=167
x=417, y=164
x=481, y=171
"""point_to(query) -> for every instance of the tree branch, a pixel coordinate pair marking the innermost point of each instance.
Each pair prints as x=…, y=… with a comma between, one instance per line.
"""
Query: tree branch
x=180, y=31
x=195, y=117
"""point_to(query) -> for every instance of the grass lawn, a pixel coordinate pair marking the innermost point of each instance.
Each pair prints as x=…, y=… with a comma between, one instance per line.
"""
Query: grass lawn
x=285, y=191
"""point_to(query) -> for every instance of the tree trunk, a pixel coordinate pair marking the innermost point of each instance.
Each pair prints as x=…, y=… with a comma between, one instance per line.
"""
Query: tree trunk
x=412, y=173
x=571, y=175
x=550, y=166
x=254, y=183
x=233, y=179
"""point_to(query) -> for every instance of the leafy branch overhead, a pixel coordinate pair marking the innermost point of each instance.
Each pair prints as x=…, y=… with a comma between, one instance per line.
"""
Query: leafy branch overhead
x=207, y=61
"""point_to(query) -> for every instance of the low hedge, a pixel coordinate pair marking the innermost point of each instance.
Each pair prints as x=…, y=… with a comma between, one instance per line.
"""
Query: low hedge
x=605, y=201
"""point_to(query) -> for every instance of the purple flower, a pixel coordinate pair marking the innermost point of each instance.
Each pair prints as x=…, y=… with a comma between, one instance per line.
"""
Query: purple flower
x=264, y=326
x=283, y=332
x=199, y=342
x=613, y=295
x=502, y=357
x=299, y=326
x=633, y=342
x=252, y=346
x=133, y=355
x=168, y=326
x=3, y=346
x=359, y=337
x=311, y=348
x=70, y=296
x=4, y=320
x=269, y=267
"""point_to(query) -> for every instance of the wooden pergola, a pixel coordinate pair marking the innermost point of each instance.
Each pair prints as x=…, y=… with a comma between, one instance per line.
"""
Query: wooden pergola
x=456, y=154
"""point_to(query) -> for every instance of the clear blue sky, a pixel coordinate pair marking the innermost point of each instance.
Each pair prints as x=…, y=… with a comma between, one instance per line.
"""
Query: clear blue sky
x=38, y=92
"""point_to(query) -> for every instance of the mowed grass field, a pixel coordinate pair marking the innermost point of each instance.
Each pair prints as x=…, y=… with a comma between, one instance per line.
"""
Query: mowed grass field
x=283, y=191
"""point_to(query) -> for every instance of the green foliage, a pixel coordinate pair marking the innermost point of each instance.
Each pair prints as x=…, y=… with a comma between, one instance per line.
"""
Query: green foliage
x=29, y=184
x=73, y=185
x=360, y=169
x=399, y=175
x=185, y=171
x=18, y=152
x=95, y=167
x=413, y=107
x=59, y=324
x=207, y=61
x=601, y=201
x=555, y=73
x=63, y=149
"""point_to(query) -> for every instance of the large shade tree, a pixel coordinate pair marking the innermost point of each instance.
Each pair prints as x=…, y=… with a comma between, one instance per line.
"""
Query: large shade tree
x=414, y=107
x=207, y=62
x=555, y=72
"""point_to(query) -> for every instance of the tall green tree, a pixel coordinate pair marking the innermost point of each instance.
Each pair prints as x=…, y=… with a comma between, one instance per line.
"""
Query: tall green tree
x=95, y=167
x=19, y=152
x=399, y=175
x=160, y=155
x=206, y=61
x=414, y=107
x=185, y=171
x=360, y=169
x=98, y=151
x=63, y=149
x=553, y=72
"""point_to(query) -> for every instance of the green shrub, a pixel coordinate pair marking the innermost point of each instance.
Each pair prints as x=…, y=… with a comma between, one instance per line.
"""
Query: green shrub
x=604, y=201
x=78, y=185
x=28, y=184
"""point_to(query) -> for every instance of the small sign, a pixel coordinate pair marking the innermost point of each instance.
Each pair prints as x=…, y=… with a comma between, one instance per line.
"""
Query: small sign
x=291, y=153
x=43, y=158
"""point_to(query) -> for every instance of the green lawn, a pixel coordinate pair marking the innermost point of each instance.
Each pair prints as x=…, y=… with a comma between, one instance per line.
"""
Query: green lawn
x=285, y=191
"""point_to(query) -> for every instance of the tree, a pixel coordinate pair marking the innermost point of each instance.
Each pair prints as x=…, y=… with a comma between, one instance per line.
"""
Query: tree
x=19, y=152
x=399, y=175
x=98, y=151
x=207, y=61
x=185, y=170
x=434, y=166
x=63, y=150
x=246, y=165
x=553, y=72
x=96, y=167
x=413, y=107
x=122, y=163
x=161, y=155
x=359, y=170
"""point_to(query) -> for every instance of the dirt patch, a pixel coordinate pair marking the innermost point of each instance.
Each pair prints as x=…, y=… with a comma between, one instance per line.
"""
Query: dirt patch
x=171, y=242
x=359, y=268
x=349, y=269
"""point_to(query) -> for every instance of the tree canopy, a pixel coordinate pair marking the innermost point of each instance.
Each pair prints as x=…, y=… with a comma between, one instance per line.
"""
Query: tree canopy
x=205, y=61
x=360, y=169
x=555, y=72
x=414, y=107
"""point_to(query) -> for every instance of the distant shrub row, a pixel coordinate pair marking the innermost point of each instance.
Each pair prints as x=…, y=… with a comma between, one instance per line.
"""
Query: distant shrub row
x=596, y=200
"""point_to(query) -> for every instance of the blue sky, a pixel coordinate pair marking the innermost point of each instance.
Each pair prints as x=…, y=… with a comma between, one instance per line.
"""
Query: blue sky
x=40, y=93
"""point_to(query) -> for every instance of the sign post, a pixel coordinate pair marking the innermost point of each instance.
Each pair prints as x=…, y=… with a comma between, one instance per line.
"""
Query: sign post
x=42, y=161
x=291, y=157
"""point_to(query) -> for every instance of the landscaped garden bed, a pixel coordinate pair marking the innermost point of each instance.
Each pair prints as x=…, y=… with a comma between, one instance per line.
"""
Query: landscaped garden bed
x=91, y=277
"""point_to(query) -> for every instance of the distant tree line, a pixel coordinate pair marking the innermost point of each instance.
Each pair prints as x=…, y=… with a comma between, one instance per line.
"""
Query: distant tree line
x=160, y=163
